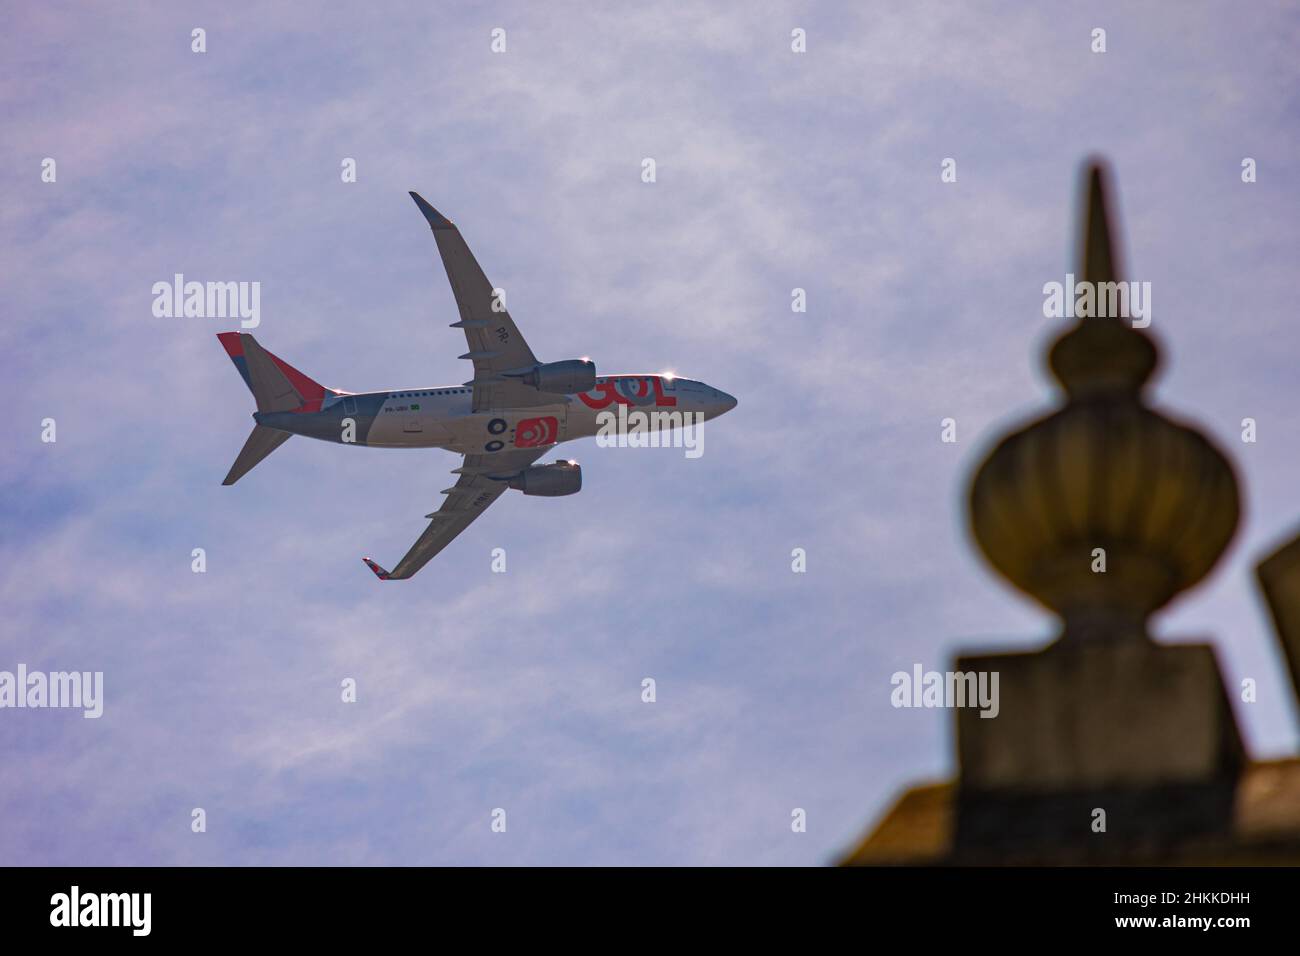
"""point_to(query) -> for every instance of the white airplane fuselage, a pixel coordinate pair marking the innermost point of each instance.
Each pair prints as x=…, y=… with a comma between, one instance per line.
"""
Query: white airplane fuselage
x=443, y=417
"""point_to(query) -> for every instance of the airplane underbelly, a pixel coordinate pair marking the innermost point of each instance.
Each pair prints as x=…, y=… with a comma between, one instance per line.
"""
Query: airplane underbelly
x=408, y=431
x=471, y=434
x=488, y=433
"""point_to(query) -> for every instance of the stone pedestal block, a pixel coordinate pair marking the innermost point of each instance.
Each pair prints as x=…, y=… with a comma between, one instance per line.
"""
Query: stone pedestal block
x=1141, y=731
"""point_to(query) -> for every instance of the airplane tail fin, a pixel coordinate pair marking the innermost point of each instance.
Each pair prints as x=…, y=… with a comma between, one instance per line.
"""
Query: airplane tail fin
x=277, y=387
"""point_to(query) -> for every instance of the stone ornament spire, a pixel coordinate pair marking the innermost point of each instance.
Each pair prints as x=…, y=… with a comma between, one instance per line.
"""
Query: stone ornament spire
x=1108, y=747
x=1104, y=472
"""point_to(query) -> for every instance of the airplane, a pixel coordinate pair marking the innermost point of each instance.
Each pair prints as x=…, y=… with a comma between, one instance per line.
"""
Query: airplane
x=513, y=411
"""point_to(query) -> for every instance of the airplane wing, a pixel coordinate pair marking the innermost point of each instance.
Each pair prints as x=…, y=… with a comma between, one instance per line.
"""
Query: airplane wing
x=469, y=498
x=495, y=343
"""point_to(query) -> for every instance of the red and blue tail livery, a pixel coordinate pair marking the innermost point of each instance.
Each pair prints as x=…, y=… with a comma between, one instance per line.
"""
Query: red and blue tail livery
x=379, y=572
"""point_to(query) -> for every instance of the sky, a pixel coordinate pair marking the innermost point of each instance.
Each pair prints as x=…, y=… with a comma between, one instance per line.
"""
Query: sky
x=522, y=690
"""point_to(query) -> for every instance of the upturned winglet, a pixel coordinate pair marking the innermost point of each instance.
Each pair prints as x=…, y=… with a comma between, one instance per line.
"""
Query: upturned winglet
x=436, y=219
x=379, y=572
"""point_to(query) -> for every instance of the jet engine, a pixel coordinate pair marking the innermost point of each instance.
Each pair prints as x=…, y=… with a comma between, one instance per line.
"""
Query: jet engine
x=562, y=378
x=551, y=481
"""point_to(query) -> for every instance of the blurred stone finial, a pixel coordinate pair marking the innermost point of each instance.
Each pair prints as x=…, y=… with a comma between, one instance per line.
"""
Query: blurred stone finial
x=1104, y=477
x=1105, y=720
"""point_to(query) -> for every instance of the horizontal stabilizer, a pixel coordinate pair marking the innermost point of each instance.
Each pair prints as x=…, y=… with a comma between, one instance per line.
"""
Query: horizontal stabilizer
x=261, y=443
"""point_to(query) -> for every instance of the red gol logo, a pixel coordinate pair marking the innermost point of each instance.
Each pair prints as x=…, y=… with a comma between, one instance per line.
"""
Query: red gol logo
x=532, y=432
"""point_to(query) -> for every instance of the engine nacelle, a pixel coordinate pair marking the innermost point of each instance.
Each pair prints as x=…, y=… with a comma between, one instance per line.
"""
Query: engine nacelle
x=551, y=481
x=563, y=378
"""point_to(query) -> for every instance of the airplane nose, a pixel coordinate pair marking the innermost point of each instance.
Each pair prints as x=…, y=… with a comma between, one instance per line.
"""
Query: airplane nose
x=728, y=401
